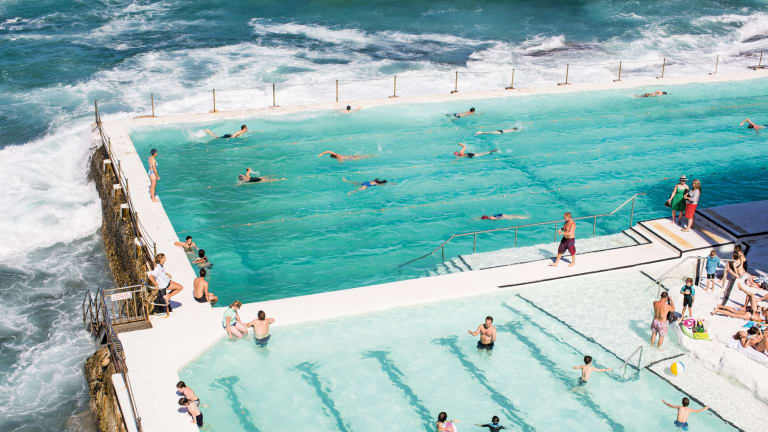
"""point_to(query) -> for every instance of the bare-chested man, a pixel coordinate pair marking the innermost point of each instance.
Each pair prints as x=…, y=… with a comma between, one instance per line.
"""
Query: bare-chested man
x=342, y=158
x=465, y=113
x=238, y=134
x=683, y=412
x=754, y=126
x=659, y=325
x=487, y=334
x=200, y=289
x=261, y=328
x=568, y=241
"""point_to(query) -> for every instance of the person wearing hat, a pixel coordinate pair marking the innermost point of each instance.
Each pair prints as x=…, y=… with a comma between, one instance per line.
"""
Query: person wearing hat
x=676, y=201
x=153, y=175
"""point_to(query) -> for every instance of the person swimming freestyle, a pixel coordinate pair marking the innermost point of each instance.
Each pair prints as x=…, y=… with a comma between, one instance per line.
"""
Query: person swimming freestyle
x=342, y=158
x=502, y=216
x=498, y=131
x=654, y=94
x=752, y=125
x=464, y=153
x=248, y=178
x=238, y=134
x=464, y=114
x=364, y=185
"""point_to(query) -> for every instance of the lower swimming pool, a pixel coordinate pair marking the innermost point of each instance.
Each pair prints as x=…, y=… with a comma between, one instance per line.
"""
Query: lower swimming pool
x=397, y=370
x=583, y=153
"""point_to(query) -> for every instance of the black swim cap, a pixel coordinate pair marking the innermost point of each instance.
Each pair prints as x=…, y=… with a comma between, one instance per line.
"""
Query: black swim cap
x=154, y=151
x=472, y=109
x=349, y=107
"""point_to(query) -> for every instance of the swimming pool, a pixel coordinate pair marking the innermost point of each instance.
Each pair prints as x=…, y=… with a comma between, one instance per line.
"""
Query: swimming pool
x=396, y=370
x=584, y=153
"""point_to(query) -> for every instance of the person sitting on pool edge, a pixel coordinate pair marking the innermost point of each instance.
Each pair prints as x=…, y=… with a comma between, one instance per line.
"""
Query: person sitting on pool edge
x=654, y=94
x=465, y=113
x=487, y=334
x=464, y=153
x=502, y=216
x=200, y=289
x=243, y=130
x=342, y=158
x=752, y=125
x=498, y=131
x=247, y=178
x=364, y=185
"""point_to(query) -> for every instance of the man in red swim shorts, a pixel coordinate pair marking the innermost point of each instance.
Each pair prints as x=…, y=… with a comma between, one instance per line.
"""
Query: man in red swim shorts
x=568, y=242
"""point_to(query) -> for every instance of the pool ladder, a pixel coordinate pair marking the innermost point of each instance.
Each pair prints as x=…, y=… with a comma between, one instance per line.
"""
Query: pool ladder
x=626, y=362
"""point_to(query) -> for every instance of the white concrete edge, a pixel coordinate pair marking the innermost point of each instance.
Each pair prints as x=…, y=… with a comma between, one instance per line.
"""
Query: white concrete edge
x=438, y=98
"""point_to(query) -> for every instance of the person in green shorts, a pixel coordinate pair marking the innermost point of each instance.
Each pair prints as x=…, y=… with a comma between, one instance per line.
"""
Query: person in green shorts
x=676, y=201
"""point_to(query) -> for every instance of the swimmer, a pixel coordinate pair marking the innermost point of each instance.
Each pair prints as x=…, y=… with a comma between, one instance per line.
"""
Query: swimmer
x=502, y=216
x=487, y=334
x=493, y=426
x=247, y=178
x=654, y=94
x=364, y=185
x=349, y=109
x=683, y=412
x=188, y=245
x=464, y=114
x=754, y=126
x=464, y=153
x=587, y=369
x=342, y=158
x=241, y=132
x=202, y=260
x=261, y=328
x=498, y=131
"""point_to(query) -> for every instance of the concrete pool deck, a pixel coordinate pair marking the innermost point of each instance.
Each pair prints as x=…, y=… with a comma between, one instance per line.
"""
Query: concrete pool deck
x=155, y=356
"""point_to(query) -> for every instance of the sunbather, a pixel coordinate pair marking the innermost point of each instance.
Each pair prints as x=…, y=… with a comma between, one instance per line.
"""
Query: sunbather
x=745, y=314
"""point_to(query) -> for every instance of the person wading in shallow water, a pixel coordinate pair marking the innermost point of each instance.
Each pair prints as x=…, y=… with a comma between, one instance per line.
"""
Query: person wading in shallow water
x=568, y=241
x=487, y=334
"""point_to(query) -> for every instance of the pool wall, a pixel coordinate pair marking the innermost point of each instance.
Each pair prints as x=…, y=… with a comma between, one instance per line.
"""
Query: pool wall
x=155, y=356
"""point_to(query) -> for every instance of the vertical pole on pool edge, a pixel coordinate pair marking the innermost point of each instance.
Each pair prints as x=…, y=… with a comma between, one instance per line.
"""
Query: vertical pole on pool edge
x=456, y=84
x=274, y=100
x=663, y=66
x=697, y=279
x=619, y=78
x=512, y=83
x=760, y=63
x=337, y=90
x=555, y=223
x=632, y=211
x=96, y=110
x=394, y=88
x=567, y=67
x=442, y=252
x=474, y=242
x=594, y=227
x=214, y=101
x=152, y=97
x=515, y=237
x=717, y=62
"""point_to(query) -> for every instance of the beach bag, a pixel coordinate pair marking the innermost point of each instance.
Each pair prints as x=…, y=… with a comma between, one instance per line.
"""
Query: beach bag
x=668, y=203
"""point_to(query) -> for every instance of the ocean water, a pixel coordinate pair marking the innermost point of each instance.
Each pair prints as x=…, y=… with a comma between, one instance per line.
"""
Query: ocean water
x=418, y=361
x=57, y=57
x=583, y=153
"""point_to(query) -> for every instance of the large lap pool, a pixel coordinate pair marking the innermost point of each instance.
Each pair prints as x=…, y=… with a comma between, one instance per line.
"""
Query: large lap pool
x=584, y=152
x=396, y=370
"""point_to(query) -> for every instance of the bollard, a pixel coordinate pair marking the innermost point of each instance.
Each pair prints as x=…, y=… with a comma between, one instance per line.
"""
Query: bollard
x=619, y=78
x=456, y=84
x=152, y=97
x=96, y=110
x=663, y=66
x=717, y=62
x=567, y=67
x=214, y=102
x=394, y=88
x=512, y=82
x=274, y=100
x=337, y=90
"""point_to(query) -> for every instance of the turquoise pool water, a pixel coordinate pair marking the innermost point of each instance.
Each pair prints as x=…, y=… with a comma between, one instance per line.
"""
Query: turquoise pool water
x=397, y=370
x=584, y=153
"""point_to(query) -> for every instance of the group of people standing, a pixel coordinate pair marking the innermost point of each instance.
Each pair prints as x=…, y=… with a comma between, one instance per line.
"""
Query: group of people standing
x=684, y=200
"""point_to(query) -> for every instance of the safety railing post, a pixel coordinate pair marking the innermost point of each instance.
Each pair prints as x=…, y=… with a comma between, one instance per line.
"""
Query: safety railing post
x=515, y=237
x=511, y=82
x=717, y=63
x=594, y=227
x=567, y=68
x=337, y=90
x=474, y=243
x=619, y=78
x=214, y=102
x=760, y=62
x=663, y=67
x=152, y=98
x=632, y=211
x=555, y=238
x=442, y=252
x=274, y=98
x=96, y=111
x=456, y=83
x=394, y=87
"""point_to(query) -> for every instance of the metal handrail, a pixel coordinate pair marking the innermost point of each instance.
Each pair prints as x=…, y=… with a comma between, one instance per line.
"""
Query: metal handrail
x=674, y=267
x=639, y=360
x=518, y=227
x=149, y=245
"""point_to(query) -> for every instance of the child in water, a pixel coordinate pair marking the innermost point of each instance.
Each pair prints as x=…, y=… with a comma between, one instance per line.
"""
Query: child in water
x=587, y=369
